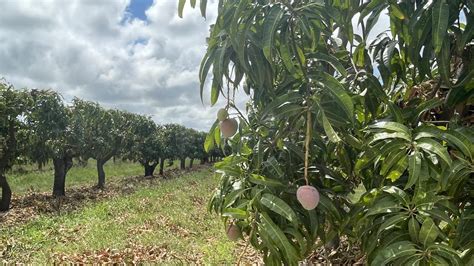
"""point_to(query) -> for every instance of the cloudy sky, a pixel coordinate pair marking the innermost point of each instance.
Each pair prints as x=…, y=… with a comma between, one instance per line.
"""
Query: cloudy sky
x=135, y=55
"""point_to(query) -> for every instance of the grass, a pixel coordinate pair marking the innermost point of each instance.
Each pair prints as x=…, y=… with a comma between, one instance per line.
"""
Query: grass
x=26, y=177
x=170, y=214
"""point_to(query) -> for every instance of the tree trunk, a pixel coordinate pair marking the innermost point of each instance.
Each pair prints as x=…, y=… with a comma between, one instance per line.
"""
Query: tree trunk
x=183, y=164
x=101, y=173
x=40, y=166
x=191, y=163
x=162, y=165
x=6, y=194
x=61, y=167
x=59, y=177
x=149, y=169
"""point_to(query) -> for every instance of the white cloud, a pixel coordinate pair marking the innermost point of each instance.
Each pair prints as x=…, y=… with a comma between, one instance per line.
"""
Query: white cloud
x=93, y=50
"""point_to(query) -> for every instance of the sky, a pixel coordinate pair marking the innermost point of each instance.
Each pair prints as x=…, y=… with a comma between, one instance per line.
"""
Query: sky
x=135, y=55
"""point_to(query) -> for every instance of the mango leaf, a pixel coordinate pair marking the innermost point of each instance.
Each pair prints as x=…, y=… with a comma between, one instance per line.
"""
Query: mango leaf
x=390, y=222
x=279, y=206
x=391, y=126
x=393, y=252
x=338, y=92
x=397, y=193
x=440, y=18
x=414, y=168
x=181, y=7
x=446, y=252
x=270, y=26
x=384, y=205
x=332, y=135
x=391, y=160
x=233, y=196
x=206, y=64
x=235, y=213
x=203, y=6
x=428, y=232
x=332, y=60
x=326, y=203
x=209, y=141
x=413, y=229
x=398, y=169
x=261, y=180
x=432, y=147
x=278, y=237
x=385, y=135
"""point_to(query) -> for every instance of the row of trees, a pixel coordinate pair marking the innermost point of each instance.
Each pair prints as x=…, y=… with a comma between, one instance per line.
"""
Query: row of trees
x=36, y=126
x=330, y=108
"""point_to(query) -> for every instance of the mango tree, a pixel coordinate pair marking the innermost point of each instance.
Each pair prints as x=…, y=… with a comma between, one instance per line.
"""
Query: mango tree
x=174, y=141
x=50, y=136
x=145, y=147
x=14, y=105
x=197, y=147
x=100, y=133
x=331, y=111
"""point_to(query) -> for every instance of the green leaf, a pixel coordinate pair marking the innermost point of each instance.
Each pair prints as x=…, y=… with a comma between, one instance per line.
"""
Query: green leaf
x=398, y=193
x=181, y=7
x=233, y=196
x=391, y=126
x=275, y=233
x=215, y=90
x=332, y=60
x=332, y=135
x=393, y=252
x=392, y=221
x=398, y=170
x=414, y=168
x=444, y=62
x=396, y=11
x=446, y=252
x=432, y=147
x=326, y=203
x=261, y=180
x=272, y=21
x=452, y=137
x=440, y=18
x=384, y=136
x=204, y=69
x=203, y=5
x=385, y=205
x=235, y=213
x=336, y=89
x=279, y=206
x=391, y=160
x=209, y=142
x=413, y=229
x=428, y=232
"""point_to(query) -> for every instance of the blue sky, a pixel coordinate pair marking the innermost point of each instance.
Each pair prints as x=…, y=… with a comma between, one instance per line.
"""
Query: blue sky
x=137, y=8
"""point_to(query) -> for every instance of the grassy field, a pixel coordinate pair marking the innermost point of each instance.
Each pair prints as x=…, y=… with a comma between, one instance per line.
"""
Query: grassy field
x=28, y=178
x=160, y=221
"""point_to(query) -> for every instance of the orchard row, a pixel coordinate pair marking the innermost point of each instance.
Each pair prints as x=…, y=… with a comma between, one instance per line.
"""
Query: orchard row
x=36, y=126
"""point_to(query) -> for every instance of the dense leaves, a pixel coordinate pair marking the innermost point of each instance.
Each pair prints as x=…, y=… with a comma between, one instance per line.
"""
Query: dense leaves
x=388, y=117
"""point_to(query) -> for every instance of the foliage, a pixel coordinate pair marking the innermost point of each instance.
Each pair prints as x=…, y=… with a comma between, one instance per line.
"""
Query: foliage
x=391, y=117
x=13, y=106
x=48, y=125
x=146, y=146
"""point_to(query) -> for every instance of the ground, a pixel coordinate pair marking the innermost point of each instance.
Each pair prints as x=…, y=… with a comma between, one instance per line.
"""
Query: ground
x=135, y=219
